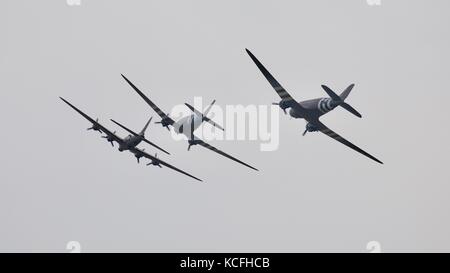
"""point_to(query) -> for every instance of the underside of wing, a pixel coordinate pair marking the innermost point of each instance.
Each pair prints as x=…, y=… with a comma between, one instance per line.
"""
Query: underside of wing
x=200, y=142
x=153, y=158
x=163, y=115
x=327, y=131
x=284, y=95
x=286, y=98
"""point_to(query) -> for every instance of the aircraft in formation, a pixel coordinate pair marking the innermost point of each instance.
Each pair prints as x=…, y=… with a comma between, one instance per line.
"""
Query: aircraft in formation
x=130, y=142
x=312, y=110
x=187, y=125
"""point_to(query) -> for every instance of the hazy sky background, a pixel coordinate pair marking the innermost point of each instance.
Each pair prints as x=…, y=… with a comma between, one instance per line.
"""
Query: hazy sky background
x=60, y=183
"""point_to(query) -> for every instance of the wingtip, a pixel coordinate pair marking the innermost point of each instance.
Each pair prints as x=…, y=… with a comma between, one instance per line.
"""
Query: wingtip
x=66, y=102
x=251, y=167
x=125, y=78
x=195, y=178
x=378, y=161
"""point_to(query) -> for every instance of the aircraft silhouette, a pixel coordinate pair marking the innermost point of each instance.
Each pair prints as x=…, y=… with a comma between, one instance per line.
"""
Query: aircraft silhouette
x=312, y=110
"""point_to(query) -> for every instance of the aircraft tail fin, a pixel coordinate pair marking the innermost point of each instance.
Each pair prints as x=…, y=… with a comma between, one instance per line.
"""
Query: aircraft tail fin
x=145, y=127
x=203, y=115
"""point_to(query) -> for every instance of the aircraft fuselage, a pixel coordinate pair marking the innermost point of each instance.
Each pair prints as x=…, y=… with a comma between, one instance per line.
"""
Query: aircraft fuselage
x=317, y=107
x=187, y=125
x=129, y=142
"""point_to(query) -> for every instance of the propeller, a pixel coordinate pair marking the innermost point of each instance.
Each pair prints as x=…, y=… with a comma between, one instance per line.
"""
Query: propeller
x=138, y=156
x=94, y=127
x=109, y=139
x=155, y=162
x=163, y=123
x=310, y=128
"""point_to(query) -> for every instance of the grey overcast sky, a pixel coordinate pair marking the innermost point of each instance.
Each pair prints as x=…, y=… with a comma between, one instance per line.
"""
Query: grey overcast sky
x=60, y=183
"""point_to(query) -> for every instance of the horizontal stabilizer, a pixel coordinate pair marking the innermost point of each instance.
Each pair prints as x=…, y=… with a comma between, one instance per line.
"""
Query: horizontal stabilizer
x=203, y=116
x=352, y=110
x=347, y=91
x=330, y=93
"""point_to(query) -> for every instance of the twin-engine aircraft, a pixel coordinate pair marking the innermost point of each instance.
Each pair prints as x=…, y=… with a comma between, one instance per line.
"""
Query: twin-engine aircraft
x=130, y=142
x=187, y=125
x=312, y=110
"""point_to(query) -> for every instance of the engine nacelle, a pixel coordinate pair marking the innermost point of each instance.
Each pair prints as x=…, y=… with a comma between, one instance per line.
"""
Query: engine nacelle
x=192, y=142
x=165, y=122
x=284, y=104
x=311, y=128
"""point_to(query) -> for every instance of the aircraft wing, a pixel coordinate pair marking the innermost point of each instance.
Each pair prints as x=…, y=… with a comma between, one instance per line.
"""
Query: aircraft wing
x=163, y=115
x=200, y=142
x=153, y=158
x=327, y=131
x=102, y=128
x=284, y=95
